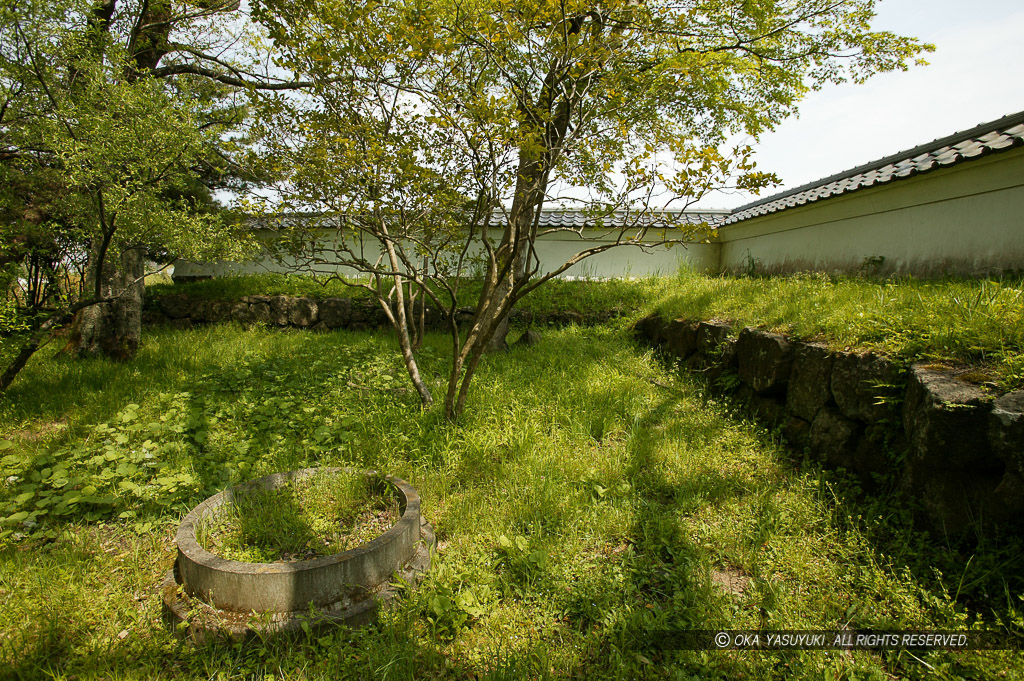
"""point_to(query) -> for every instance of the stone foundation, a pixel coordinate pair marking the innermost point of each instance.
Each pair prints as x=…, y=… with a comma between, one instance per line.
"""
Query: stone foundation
x=320, y=314
x=953, y=446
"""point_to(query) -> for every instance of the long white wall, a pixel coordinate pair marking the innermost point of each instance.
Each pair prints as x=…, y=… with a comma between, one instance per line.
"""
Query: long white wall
x=967, y=219
x=553, y=250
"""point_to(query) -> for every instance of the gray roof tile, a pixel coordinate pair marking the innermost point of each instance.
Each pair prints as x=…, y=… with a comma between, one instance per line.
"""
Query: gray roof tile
x=983, y=140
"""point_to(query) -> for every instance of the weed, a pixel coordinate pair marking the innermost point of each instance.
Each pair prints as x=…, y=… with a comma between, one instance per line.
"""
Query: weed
x=320, y=515
x=618, y=500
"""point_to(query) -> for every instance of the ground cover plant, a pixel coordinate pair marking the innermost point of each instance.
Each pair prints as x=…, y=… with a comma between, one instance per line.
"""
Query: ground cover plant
x=625, y=296
x=320, y=515
x=964, y=322
x=976, y=322
x=588, y=498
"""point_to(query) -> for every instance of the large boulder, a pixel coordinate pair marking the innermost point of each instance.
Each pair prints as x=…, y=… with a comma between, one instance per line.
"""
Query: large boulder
x=712, y=342
x=950, y=465
x=651, y=329
x=367, y=314
x=681, y=338
x=281, y=310
x=1006, y=430
x=765, y=360
x=303, y=313
x=335, y=313
x=211, y=311
x=869, y=456
x=712, y=334
x=810, y=381
x=260, y=312
x=1006, y=436
x=240, y=313
x=866, y=387
x=720, y=363
x=176, y=306
x=946, y=421
x=834, y=438
x=768, y=410
x=797, y=432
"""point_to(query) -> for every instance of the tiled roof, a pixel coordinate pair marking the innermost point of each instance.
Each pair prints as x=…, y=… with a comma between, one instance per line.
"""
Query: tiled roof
x=551, y=218
x=987, y=138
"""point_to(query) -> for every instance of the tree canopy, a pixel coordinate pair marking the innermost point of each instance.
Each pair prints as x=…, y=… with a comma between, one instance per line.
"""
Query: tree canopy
x=118, y=119
x=433, y=125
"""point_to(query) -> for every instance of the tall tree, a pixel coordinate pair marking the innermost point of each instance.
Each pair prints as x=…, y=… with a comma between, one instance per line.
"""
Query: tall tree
x=117, y=120
x=102, y=161
x=437, y=130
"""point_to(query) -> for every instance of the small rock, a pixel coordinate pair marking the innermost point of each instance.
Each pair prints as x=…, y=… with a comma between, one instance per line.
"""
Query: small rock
x=528, y=339
x=765, y=360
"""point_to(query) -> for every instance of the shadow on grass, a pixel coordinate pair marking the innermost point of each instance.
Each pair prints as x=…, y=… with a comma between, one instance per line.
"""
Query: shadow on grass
x=659, y=579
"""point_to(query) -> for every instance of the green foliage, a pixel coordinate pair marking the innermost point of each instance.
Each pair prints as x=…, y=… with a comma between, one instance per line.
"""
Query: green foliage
x=625, y=297
x=451, y=603
x=975, y=321
x=110, y=152
x=303, y=519
x=608, y=538
x=433, y=169
x=118, y=470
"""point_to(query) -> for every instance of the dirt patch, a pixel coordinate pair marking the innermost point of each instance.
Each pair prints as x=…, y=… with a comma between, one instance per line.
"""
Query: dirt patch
x=730, y=580
x=40, y=431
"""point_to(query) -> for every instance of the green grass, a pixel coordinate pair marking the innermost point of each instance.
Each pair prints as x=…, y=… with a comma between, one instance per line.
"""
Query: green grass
x=588, y=498
x=316, y=516
x=967, y=322
x=958, y=321
x=555, y=296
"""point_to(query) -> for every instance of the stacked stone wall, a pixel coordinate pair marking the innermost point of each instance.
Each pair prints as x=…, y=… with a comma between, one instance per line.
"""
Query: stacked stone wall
x=955, y=447
x=321, y=314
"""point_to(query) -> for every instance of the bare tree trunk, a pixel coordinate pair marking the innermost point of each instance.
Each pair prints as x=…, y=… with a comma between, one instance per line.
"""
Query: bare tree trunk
x=400, y=321
x=401, y=324
x=113, y=329
x=504, y=288
x=29, y=349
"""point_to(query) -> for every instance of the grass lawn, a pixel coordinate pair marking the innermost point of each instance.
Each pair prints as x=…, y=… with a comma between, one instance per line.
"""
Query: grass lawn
x=974, y=324
x=588, y=498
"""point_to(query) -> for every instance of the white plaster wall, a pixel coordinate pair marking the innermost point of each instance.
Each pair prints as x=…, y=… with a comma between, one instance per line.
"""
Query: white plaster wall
x=621, y=261
x=968, y=219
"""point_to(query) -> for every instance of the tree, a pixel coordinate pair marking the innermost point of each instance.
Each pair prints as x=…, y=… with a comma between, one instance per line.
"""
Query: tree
x=102, y=163
x=117, y=121
x=438, y=129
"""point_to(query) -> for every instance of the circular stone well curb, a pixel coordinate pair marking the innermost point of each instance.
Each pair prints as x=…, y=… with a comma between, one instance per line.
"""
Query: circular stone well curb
x=205, y=593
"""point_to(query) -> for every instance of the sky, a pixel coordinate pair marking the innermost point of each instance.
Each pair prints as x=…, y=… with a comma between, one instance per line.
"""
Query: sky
x=974, y=76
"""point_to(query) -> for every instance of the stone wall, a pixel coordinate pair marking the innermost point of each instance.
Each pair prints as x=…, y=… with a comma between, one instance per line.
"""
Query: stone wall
x=955, y=447
x=319, y=314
